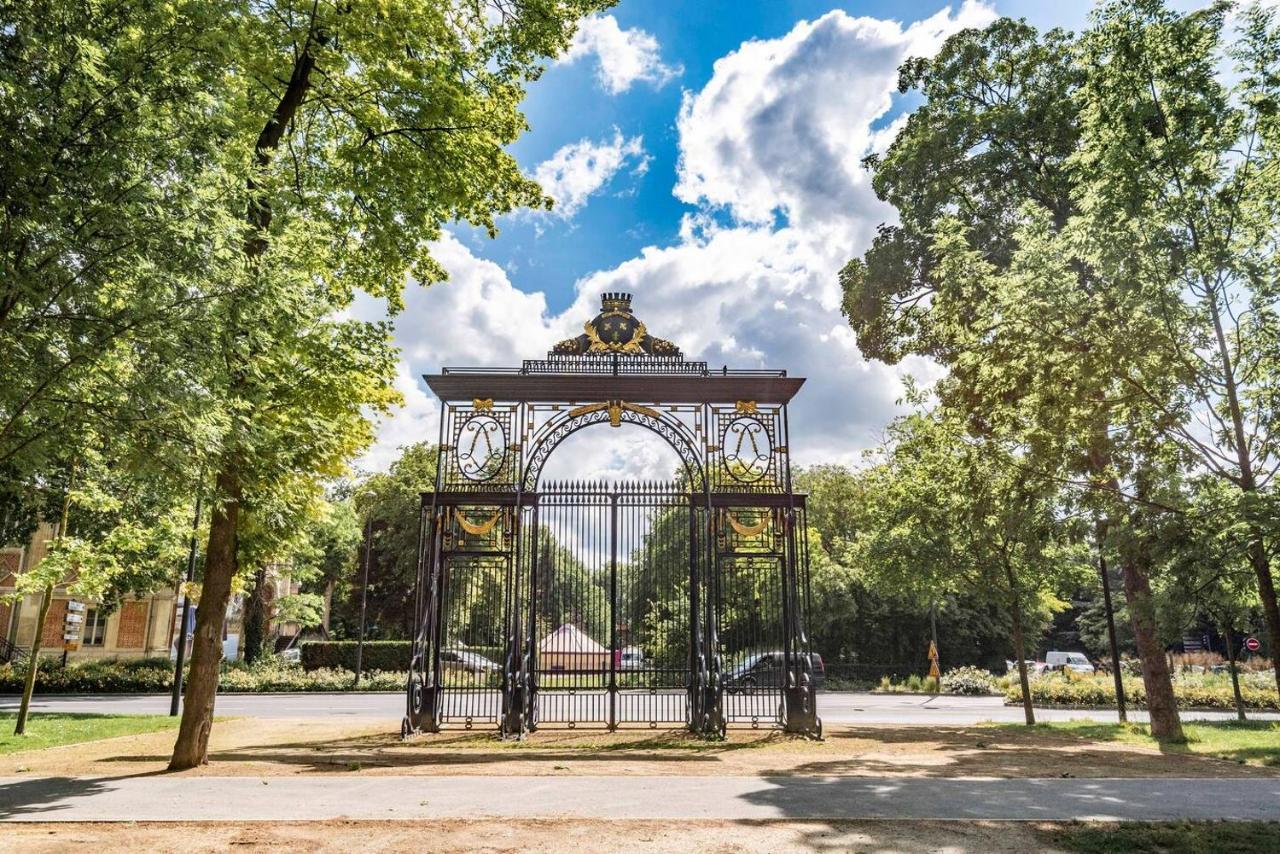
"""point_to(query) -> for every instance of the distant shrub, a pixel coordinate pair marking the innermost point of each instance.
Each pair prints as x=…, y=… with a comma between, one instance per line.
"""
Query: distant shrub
x=155, y=675
x=969, y=680
x=1202, y=690
x=378, y=655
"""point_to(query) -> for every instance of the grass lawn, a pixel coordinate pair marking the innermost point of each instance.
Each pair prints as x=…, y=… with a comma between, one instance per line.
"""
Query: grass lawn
x=1184, y=837
x=50, y=730
x=1245, y=742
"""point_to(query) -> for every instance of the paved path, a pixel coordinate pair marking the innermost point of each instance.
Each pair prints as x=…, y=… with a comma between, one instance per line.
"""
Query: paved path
x=835, y=708
x=168, y=798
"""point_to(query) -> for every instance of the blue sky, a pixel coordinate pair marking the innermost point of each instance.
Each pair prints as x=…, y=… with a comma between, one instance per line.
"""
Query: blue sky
x=568, y=105
x=705, y=156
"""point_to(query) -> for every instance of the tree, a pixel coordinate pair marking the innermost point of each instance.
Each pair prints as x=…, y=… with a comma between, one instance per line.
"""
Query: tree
x=361, y=128
x=952, y=514
x=100, y=208
x=393, y=502
x=864, y=626
x=1179, y=187
x=127, y=537
x=1208, y=567
x=981, y=169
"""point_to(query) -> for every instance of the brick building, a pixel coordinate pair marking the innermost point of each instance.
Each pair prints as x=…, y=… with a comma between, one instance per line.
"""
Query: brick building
x=140, y=627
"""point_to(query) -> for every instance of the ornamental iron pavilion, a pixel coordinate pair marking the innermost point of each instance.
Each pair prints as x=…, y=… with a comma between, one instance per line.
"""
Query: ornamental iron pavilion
x=588, y=603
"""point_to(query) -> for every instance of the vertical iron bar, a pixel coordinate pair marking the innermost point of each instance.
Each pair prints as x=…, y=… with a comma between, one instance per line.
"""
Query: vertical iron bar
x=535, y=555
x=691, y=677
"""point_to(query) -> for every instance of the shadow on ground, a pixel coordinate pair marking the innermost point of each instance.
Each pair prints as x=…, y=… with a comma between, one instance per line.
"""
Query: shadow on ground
x=457, y=750
x=959, y=751
x=31, y=797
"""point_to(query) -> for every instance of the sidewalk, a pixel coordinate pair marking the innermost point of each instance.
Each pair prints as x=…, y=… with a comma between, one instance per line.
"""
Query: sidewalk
x=232, y=799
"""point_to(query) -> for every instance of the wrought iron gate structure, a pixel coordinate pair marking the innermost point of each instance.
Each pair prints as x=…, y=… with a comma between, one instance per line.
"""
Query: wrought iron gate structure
x=589, y=603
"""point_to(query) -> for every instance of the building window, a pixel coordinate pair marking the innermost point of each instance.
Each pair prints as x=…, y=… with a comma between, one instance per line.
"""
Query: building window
x=95, y=628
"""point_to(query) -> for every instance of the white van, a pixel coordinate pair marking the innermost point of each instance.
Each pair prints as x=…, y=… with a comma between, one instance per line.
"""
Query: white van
x=1077, y=661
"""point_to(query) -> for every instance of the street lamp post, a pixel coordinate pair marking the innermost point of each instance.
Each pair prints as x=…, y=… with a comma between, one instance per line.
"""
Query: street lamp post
x=364, y=591
x=186, y=615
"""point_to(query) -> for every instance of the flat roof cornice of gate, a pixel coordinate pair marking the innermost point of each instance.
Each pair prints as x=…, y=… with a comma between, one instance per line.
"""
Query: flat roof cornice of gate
x=640, y=379
x=696, y=499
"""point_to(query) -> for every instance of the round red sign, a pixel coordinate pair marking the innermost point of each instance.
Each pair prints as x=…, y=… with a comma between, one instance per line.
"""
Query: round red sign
x=1252, y=644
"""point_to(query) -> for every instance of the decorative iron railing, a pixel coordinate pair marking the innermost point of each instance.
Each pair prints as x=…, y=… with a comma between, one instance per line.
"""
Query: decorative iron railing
x=618, y=364
x=11, y=653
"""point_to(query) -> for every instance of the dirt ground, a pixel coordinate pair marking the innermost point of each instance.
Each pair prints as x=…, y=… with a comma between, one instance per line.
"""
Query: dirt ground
x=282, y=747
x=581, y=837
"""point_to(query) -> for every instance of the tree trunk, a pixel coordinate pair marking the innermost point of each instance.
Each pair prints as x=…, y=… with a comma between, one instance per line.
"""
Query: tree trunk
x=1248, y=483
x=1228, y=627
x=221, y=561
x=1161, y=705
x=33, y=663
x=1267, y=593
x=328, y=608
x=1019, y=643
x=1134, y=560
x=192, y=746
x=255, y=619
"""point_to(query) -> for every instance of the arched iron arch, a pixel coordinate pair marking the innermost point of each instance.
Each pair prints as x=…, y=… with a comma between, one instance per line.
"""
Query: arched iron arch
x=672, y=433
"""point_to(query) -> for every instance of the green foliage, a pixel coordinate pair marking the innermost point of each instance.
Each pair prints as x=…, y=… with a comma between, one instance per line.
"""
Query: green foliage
x=861, y=622
x=969, y=680
x=53, y=729
x=108, y=229
x=378, y=655
x=913, y=684
x=966, y=680
x=1192, y=692
x=393, y=501
x=1176, y=837
x=948, y=514
x=105, y=676
x=155, y=675
x=269, y=676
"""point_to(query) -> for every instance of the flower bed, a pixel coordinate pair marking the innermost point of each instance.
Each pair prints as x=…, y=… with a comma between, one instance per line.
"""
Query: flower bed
x=1199, y=691
x=155, y=675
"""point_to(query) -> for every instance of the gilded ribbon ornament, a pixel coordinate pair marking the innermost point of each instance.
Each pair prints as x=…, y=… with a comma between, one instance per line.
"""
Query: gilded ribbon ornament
x=475, y=529
x=748, y=530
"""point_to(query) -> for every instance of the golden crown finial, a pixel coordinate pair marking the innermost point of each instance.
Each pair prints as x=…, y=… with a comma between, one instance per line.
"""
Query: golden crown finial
x=615, y=302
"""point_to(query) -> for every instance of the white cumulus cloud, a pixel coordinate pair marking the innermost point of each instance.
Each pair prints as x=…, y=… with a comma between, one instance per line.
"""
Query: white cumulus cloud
x=623, y=56
x=780, y=128
x=784, y=123
x=578, y=170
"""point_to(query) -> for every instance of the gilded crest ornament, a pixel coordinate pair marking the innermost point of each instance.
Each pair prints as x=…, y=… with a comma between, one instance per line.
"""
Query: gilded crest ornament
x=615, y=330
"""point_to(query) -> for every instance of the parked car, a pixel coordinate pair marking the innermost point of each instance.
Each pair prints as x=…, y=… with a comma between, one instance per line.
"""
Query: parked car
x=765, y=670
x=630, y=658
x=293, y=655
x=463, y=661
x=1076, y=661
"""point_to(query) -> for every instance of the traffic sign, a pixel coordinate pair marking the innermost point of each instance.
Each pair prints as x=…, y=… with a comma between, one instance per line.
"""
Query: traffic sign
x=1252, y=644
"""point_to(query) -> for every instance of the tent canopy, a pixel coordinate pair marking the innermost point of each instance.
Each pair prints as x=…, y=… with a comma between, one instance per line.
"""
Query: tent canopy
x=569, y=638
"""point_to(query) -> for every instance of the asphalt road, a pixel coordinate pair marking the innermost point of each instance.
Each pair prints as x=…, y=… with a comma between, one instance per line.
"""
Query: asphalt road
x=313, y=797
x=834, y=708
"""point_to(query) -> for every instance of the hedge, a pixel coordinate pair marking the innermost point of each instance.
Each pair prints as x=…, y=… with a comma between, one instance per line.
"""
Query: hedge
x=155, y=675
x=378, y=655
x=1191, y=692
